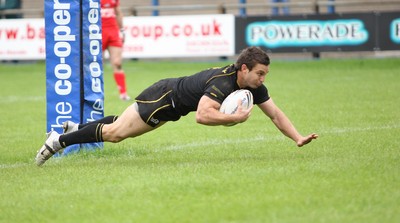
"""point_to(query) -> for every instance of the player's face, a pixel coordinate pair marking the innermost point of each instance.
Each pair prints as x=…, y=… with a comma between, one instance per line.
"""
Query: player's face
x=256, y=77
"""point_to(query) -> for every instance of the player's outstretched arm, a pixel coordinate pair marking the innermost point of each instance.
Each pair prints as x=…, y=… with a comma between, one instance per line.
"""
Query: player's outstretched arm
x=283, y=123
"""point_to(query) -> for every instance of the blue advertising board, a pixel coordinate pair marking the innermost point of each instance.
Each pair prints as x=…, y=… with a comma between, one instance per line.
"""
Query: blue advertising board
x=389, y=30
x=319, y=32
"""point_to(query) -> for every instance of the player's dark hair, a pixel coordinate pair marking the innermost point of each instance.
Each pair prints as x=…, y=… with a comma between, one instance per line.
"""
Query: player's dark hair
x=252, y=56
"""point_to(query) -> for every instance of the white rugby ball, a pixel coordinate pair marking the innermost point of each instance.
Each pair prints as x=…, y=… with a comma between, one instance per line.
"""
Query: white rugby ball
x=231, y=103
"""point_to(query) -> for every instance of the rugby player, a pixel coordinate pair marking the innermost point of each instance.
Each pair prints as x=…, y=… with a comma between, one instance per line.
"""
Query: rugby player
x=170, y=99
x=113, y=37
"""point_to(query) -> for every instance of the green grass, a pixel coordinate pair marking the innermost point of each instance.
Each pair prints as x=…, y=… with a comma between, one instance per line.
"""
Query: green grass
x=185, y=172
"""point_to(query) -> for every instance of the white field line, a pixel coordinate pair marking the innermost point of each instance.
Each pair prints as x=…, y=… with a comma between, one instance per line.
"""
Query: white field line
x=13, y=99
x=360, y=129
x=216, y=142
x=15, y=165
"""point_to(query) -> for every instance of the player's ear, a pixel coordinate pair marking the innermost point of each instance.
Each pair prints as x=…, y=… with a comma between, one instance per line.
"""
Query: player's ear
x=244, y=67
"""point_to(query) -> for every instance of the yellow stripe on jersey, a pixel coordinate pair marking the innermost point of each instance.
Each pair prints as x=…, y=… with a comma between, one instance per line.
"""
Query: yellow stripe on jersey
x=220, y=75
x=148, y=102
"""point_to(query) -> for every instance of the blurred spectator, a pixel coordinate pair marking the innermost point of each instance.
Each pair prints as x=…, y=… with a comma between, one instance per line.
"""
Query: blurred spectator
x=285, y=9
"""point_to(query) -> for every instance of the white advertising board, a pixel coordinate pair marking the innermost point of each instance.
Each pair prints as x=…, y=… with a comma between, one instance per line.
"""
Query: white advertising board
x=179, y=36
x=146, y=37
x=22, y=39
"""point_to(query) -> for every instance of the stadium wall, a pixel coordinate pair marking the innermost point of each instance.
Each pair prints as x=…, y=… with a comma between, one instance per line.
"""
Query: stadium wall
x=34, y=8
x=216, y=35
x=208, y=11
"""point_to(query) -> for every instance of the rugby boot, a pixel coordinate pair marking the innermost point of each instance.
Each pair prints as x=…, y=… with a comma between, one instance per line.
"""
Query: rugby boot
x=50, y=147
x=69, y=127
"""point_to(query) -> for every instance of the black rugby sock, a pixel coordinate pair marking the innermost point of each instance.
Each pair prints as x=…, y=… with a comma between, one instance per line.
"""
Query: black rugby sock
x=87, y=134
x=106, y=120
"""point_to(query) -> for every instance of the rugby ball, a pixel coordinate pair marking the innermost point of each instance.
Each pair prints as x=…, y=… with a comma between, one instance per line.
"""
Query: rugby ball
x=231, y=103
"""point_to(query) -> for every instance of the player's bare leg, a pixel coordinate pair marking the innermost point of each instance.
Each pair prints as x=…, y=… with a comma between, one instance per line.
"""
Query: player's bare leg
x=129, y=124
x=118, y=72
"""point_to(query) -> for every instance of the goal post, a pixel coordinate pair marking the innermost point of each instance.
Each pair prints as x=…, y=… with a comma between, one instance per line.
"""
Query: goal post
x=74, y=69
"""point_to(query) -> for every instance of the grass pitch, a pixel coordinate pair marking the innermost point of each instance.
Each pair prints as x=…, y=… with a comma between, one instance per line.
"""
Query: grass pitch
x=185, y=172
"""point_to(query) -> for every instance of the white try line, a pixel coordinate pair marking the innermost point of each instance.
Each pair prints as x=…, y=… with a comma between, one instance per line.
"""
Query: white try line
x=225, y=141
x=359, y=129
x=13, y=99
x=216, y=142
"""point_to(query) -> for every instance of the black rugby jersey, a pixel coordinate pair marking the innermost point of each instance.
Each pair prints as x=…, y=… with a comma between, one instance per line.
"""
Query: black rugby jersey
x=216, y=83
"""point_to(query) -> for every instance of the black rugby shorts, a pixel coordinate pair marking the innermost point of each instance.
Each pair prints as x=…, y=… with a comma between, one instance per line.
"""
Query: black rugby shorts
x=155, y=104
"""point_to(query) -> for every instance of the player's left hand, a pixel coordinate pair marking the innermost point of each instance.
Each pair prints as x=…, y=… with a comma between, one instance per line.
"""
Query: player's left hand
x=122, y=35
x=307, y=139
